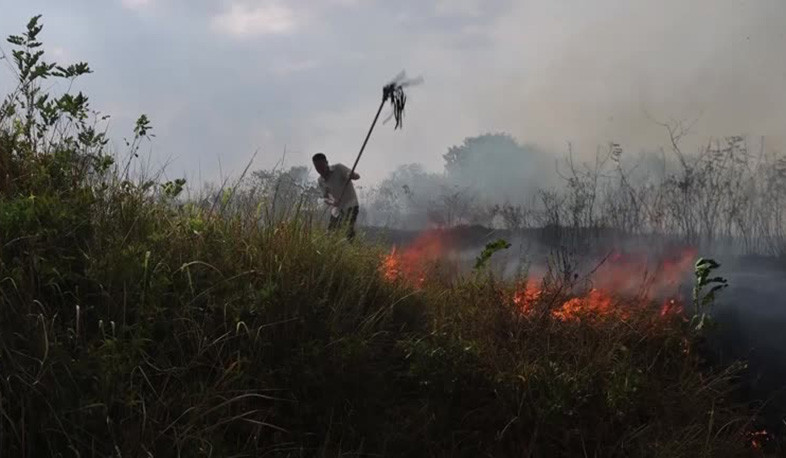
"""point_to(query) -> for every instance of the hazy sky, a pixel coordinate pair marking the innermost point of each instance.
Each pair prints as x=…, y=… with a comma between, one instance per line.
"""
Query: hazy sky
x=223, y=78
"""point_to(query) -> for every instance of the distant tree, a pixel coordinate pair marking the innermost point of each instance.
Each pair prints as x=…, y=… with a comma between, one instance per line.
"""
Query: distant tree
x=460, y=159
x=498, y=168
x=405, y=196
x=452, y=206
x=514, y=217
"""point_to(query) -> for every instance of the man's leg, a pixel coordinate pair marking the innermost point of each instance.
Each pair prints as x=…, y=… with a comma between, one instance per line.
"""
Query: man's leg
x=335, y=221
x=352, y=217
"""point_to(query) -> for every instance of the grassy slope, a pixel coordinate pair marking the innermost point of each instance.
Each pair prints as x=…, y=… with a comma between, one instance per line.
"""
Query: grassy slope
x=129, y=325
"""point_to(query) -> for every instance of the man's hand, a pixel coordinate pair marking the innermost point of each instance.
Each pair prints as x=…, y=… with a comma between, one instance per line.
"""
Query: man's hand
x=355, y=176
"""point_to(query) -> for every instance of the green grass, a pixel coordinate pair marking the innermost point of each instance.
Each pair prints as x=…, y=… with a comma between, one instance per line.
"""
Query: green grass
x=131, y=325
x=134, y=326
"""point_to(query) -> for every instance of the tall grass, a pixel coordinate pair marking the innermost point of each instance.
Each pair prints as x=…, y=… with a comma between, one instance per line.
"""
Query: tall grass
x=134, y=326
x=139, y=328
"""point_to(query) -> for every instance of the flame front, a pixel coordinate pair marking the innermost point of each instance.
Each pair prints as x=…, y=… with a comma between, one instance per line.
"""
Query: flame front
x=596, y=302
x=391, y=266
x=412, y=264
x=526, y=296
x=635, y=274
x=621, y=276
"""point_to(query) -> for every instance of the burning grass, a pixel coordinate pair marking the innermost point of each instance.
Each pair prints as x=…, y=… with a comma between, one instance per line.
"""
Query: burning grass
x=194, y=334
x=620, y=285
x=593, y=356
x=417, y=261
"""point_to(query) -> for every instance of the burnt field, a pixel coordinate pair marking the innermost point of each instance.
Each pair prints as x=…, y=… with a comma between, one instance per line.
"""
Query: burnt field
x=750, y=313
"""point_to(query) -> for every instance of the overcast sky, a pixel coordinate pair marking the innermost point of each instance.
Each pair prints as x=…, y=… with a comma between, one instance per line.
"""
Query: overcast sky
x=221, y=79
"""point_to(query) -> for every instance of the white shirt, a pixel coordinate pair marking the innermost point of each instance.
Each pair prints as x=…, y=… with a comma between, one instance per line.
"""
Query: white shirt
x=335, y=181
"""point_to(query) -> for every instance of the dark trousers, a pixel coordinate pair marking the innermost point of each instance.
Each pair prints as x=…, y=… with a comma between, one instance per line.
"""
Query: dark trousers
x=346, y=218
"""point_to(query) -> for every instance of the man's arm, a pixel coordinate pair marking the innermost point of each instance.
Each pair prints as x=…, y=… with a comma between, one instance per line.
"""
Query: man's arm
x=346, y=171
x=322, y=186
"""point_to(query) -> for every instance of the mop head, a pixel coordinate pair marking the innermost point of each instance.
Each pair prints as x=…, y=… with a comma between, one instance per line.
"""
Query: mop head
x=394, y=91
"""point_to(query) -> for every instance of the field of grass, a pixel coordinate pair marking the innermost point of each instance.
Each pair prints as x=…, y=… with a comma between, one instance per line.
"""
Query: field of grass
x=135, y=325
x=128, y=325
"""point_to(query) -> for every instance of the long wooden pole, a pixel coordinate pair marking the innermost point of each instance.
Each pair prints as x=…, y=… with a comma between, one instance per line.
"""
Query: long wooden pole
x=368, y=135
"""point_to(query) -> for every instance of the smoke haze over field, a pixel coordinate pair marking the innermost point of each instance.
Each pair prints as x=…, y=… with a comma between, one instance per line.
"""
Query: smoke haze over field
x=220, y=79
x=610, y=69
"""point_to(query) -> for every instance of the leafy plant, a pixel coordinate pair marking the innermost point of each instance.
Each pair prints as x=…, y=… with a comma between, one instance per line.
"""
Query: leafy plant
x=703, y=301
x=39, y=114
x=173, y=188
x=498, y=245
x=62, y=131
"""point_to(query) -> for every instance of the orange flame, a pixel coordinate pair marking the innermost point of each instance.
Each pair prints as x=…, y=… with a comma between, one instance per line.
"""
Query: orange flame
x=758, y=438
x=671, y=307
x=412, y=264
x=596, y=302
x=621, y=275
x=526, y=296
x=634, y=273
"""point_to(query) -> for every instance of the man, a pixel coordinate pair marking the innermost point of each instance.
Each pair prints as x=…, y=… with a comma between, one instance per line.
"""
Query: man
x=334, y=185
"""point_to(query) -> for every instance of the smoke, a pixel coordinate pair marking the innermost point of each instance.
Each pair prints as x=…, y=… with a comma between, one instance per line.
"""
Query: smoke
x=578, y=75
x=499, y=169
x=481, y=172
x=750, y=316
x=588, y=73
x=608, y=70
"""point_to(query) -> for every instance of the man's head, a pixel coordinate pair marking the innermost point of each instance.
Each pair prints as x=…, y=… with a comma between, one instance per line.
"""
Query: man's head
x=321, y=164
